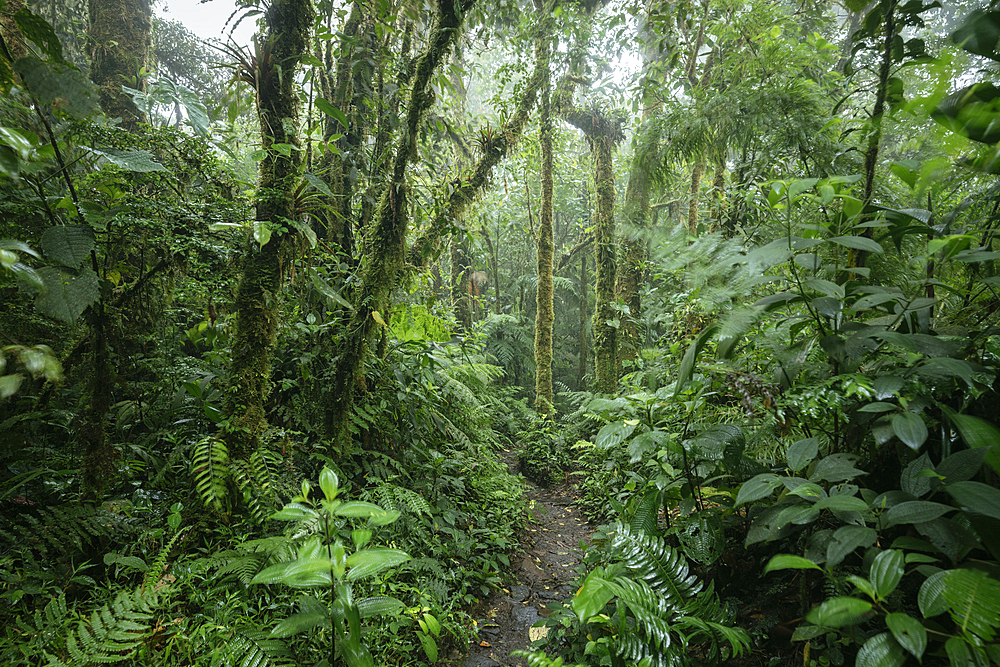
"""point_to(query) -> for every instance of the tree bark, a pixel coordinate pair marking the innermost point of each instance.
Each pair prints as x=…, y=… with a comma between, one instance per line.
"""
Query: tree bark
x=120, y=54
x=288, y=25
x=696, y=174
x=584, y=302
x=544, y=315
x=384, y=254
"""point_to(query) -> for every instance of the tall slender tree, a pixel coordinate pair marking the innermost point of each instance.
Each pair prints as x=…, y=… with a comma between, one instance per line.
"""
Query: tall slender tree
x=120, y=42
x=544, y=315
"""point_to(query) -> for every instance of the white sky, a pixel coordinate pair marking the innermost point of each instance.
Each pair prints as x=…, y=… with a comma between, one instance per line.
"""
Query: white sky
x=207, y=20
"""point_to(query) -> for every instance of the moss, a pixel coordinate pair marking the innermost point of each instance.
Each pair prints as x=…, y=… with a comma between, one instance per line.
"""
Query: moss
x=606, y=368
x=120, y=43
x=256, y=303
x=544, y=315
x=696, y=174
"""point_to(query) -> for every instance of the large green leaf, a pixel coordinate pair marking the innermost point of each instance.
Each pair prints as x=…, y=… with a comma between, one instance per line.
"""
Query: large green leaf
x=691, y=357
x=909, y=633
x=301, y=622
x=973, y=599
x=842, y=504
x=838, y=612
x=962, y=466
x=137, y=161
x=858, y=243
x=930, y=598
x=845, y=540
x=980, y=33
x=909, y=428
x=977, y=433
x=976, y=497
x=788, y=561
x=61, y=88
x=367, y=562
x=757, y=487
x=886, y=572
x=801, y=453
x=39, y=31
x=68, y=245
x=836, y=468
x=66, y=294
x=914, y=511
x=298, y=573
x=614, y=434
x=591, y=597
x=881, y=651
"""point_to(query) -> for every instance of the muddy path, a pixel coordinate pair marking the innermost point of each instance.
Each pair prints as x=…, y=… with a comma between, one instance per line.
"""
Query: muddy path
x=543, y=572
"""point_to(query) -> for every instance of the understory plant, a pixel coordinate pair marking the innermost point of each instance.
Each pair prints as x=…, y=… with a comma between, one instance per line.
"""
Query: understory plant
x=641, y=605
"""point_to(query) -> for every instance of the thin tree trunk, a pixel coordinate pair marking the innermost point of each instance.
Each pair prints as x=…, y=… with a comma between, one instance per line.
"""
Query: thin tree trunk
x=544, y=314
x=696, y=174
x=606, y=369
x=584, y=302
x=461, y=277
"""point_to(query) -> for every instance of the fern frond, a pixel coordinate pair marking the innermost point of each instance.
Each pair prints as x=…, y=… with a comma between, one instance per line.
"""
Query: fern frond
x=663, y=568
x=210, y=468
x=114, y=632
x=253, y=648
x=401, y=499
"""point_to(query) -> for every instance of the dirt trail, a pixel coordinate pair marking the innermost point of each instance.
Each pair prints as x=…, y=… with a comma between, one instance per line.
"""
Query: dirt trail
x=543, y=573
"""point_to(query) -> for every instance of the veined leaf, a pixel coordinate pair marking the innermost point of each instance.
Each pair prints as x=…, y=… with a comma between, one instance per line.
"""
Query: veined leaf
x=858, y=243
x=914, y=511
x=882, y=650
x=977, y=497
x=886, y=572
x=367, y=562
x=838, y=612
x=790, y=562
x=909, y=632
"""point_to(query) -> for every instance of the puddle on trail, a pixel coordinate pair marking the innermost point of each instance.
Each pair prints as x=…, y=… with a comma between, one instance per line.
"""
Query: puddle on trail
x=544, y=573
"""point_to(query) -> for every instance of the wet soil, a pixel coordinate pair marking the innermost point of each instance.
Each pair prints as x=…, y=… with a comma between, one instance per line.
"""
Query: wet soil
x=543, y=571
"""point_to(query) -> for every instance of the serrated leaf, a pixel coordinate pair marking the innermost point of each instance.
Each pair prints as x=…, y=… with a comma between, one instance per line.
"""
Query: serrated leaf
x=381, y=605
x=66, y=295
x=842, y=504
x=68, y=245
x=846, y=540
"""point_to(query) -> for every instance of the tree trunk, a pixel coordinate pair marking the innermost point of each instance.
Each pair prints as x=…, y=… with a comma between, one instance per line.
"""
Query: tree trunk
x=544, y=314
x=10, y=32
x=385, y=240
x=461, y=277
x=718, y=193
x=584, y=302
x=288, y=26
x=119, y=30
x=696, y=174
x=606, y=369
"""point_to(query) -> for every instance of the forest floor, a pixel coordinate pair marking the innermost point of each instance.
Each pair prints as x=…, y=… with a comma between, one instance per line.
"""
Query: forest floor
x=543, y=571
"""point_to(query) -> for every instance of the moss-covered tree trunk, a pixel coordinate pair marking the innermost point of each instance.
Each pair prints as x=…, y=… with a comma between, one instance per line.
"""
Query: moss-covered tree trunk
x=635, y=211
x=120, y=42
x=10, y=32
x=385, y=239
x=584, y=318
x=461, y=282
x=544, y=315
x=288, y=25
x=606, y=367
x=718, y=191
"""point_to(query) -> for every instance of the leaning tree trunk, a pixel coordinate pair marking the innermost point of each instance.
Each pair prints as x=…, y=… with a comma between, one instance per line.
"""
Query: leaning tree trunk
x=544, y=314
x=288, y=26
x=119, y=32
x=461, y=279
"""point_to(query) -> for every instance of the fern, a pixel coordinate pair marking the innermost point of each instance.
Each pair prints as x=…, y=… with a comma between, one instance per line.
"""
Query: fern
x=400, y=498
x=256, y=648
x=62, y=530
x=114, y=632
x=664, y=569
x=210, y=468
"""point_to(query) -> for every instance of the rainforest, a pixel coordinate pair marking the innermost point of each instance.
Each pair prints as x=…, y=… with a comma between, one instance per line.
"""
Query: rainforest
x=496, y=333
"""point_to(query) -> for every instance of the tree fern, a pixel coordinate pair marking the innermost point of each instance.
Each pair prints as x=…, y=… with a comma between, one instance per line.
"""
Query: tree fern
x=210, y=468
